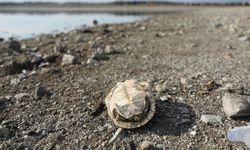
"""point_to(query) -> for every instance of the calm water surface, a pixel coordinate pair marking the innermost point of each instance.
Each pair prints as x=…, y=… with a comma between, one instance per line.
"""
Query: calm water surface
x=23, y=26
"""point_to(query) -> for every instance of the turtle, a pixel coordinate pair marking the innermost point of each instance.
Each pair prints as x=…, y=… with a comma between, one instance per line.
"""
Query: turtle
x=130, y=104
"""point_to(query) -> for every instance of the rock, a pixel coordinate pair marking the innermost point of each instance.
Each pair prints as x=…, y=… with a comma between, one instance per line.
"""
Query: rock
x=243, y=38
x=24, y=47
x=232, y=28
x=18, y=64
x=213, y=119
x=160, y=34
x=21, y=96
x=68, y=59
x=146, y=145
x=14, y=45
x=228, y=56
x=79, y=39
x=15, y=81
x=3, y=103
x=109, y=50
x=142, y=28
x=91, y=61
x=1, y=39
x=117, y=133
x=40, y=91
x=4, y=132
x=165, y=97
x=240, y=134
x=22, y=76
x=95, y=22
x=34, y=49
x=236, y=105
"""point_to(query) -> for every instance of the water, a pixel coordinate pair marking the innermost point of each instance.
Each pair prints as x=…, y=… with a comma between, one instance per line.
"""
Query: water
x=22, y=26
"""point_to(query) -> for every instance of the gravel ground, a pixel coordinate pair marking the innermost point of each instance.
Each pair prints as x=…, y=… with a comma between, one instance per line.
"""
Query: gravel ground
x=190, y=58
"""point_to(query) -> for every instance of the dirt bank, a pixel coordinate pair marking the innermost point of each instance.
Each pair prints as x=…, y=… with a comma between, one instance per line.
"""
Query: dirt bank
x=189, y=58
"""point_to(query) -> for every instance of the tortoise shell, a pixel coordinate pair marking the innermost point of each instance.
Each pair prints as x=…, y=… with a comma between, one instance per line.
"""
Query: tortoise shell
x=130, y=104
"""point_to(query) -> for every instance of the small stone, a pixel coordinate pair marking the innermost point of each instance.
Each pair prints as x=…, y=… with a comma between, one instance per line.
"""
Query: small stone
x=142, y=28
x=213, y=119
x=1, y=39
x=146, y=145
x=117, y=133
x=91, y=61
x=4, y=132
x=68, y=59
x=109, y=50
x=236, y=105
x=193, y=133
x=40, y=91
x=183, y=81
x=159, y=146
x=228, y=56
x=165, y=97
x=15, y=81
x=14, y=45
x=21, y=96
x=232, y=28
x=79, y=39
x=34, y=49
x=160, y=34
x=23, y=47
x=22, y=76
x=3, y=103
x=95, y=22
x=243, y=38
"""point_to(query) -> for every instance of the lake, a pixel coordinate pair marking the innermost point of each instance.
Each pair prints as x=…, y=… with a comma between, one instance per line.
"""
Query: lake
x=23, y=25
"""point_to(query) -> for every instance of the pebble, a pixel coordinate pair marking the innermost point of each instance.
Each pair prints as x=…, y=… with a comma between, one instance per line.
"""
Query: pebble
x=21, y=96
x=243, y=38
x=109, y=50
x=95, y=22
x=117, y=133
x=213, y=119
x=40, y=91
x=4, y=132
x=1, y=39
x=14, y=45
x=68, y=59
x=2, y=103
x=236, y=105
x=15, y=81
x=160, y=34
x=146, y=145
x=91, y=61
x=79, y=39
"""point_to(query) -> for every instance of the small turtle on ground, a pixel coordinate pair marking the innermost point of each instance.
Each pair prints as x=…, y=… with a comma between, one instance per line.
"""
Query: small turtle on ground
x=130, y=104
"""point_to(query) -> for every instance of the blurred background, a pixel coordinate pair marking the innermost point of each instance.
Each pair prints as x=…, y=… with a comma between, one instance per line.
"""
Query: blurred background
x=22, y=19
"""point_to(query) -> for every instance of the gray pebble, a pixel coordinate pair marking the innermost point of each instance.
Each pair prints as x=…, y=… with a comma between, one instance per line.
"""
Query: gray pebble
x=213, y=119
x=236, y=105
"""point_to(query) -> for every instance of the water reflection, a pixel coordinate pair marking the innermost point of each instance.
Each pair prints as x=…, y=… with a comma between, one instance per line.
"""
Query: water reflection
x=28, y=25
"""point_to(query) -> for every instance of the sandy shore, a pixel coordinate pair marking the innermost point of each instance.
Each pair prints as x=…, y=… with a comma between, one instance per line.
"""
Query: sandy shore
x=190, y=58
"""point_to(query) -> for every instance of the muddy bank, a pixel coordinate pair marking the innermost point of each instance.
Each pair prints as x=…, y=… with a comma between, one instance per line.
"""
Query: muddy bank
x=53, y=86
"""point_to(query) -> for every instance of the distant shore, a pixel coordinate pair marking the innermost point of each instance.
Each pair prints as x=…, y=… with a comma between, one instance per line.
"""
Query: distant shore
x=108, y=8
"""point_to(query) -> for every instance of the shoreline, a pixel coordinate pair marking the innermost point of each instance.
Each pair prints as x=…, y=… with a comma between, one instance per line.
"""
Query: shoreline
x=144, y=9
